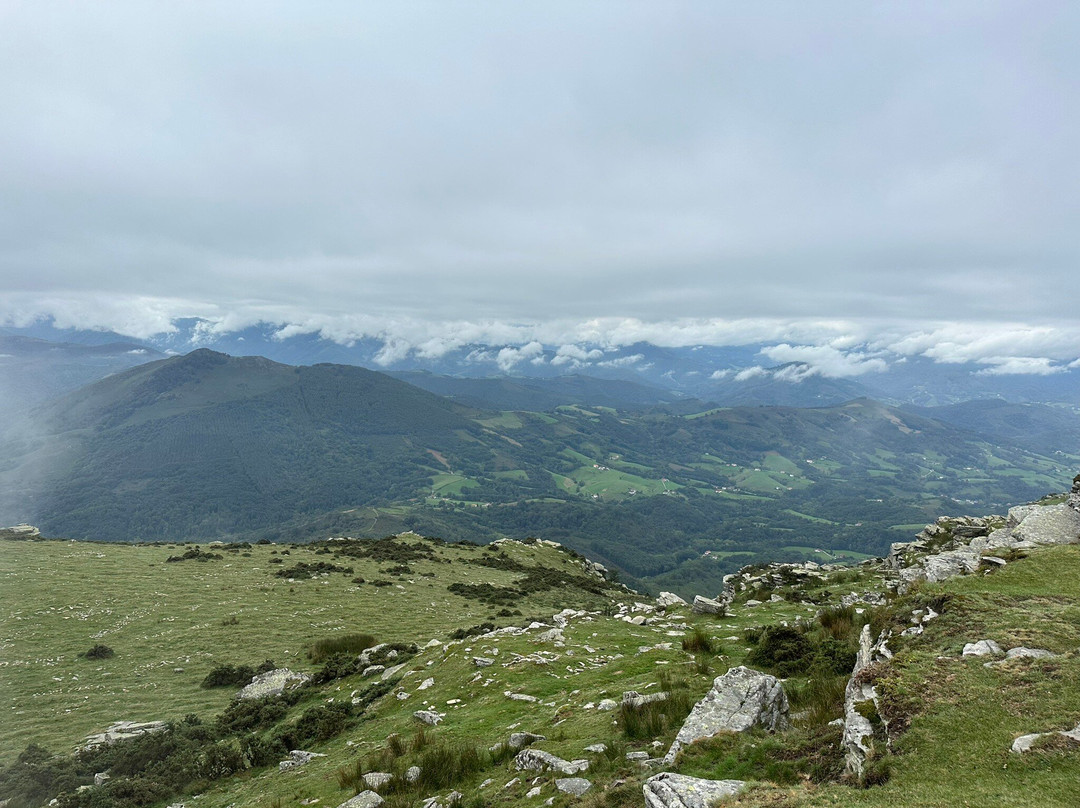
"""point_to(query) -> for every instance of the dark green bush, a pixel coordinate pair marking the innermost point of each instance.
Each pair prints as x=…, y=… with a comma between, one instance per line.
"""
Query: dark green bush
x=784, y=650
x=322, y=650
x=226, y=675
x=99, y=652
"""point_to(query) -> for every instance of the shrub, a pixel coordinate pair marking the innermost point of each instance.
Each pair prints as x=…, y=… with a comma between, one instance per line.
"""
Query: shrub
x=99, y=652
x=839, y=621
x=784, y=650
x=228, y=676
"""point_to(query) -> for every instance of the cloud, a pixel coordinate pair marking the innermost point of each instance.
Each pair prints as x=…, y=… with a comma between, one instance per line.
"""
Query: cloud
x=823, y=360
x=1020, y=365
x=750, y=373
x=508, y=358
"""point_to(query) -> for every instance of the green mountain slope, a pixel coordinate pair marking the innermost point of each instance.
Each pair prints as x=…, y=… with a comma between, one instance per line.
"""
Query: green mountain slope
x=206, y=446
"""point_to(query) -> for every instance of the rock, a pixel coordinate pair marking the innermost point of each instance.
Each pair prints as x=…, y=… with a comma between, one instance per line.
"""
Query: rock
x=573, y=785
x=296, y=759
x=982, y=648
x=365, y=799
x=429, y=717
x=552, y=635
x=1053, y=524
x=636, y=700
x=533, y=792
x=639, y=620
x=519, y=740
x=368, y=654
x=412, y=774
x=1028, y=653
x=424, y=685
x=703, y=605
x=376, y=780
x=390, y=672
x=637, y=755
x=670, y=790
x=371, y=670
x=101, y=777
x=273, y=683
x=1025, y=742
x=858, y=737
x=998, y=562
x=520, y=696
x=122, y=730
x=668, y=599
x=539, y=761
x=597, y=748
x=740, y=699
x=483, y=662
x=752, y=603
x=607, y=704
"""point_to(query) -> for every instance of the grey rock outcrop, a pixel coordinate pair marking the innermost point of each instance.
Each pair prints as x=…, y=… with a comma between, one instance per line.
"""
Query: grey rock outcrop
x=573, y=785
x=982, y=648
x=668, y=599
x=519, y=740
x=296, y=759
x=376, y=780
x=670, y=790
x=859, y=695
x=1025, y=742
x=273, y=683
x=703, y=605
x=636, y=700
x=123, y=730
x=429, y=717
x=365, y=799
x=740, y=699
x=539, y=761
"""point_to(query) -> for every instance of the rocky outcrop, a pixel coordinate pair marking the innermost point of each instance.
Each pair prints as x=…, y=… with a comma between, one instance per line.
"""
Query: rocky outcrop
x=539, y=761
x=575, y=786
x=123, y=730
x=957, y=546
x=273, y=683
x=668, y=599
x=861, y=698
x=1025, y=742
x=365, y=799
x=670, y=790
x=740, y=699
x=296, y=759
x=429, y=717
x=703, y=605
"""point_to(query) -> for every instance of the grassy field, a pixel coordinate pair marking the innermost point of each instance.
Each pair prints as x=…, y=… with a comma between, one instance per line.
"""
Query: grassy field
x=170, y=623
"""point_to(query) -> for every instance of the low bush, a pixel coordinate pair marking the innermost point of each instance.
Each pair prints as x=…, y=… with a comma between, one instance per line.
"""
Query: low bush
x=699, y=642
x=226, y=675
x=322, y=650
x=98, y=652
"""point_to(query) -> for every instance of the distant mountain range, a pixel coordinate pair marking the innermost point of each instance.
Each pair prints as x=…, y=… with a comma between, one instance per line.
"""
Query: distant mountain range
x=730, y=375
x=206, y=445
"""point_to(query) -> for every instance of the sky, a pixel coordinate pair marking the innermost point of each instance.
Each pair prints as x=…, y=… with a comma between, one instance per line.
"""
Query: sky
x=842, y=177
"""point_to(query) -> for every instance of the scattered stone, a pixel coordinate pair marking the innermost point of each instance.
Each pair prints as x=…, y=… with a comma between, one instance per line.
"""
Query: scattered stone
x=533, y=792
x=670, y=790
x=636, y=700
x=520, y=696
x=607, y=704
x=424, y=685
x=597, y=748
x=101, y=777
x=637, y=755
x=273, y=683
x=1025, y=742
x=483, y=662
x=519, y=740
x=1029, y=653
x=740, y=699
x=391, y=672
x=376, y=780
x=296, y=759
x=668, y=599
x=372, y=670
x=365, y=799
x=538, y=760
x=858, y=737
x=752, y=603
x=552, y=635
x=573, y=785
x=412, y=774
x=982, y=648
x=429, y=717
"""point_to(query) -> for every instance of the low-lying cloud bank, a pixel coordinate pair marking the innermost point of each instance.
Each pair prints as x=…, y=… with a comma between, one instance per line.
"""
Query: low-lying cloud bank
x=793, y=349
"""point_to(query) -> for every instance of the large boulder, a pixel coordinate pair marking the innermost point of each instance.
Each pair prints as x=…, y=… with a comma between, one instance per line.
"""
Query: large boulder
x=740, y=699
x=668, y=599
x=273, y=683
x=122, y=731
x=1052, y=524
x=365, y=799
x=703, y=605
x=670, y=790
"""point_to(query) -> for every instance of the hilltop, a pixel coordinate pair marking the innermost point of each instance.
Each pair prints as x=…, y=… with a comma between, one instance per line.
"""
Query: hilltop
x=892, y=676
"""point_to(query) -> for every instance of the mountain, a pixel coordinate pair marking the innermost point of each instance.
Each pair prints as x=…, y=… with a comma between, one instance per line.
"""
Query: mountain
x=541, y=395
x=207, y=446
x=1039, y=427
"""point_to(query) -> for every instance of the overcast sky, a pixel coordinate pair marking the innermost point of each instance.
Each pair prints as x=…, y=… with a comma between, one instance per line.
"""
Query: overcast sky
x=822, y=172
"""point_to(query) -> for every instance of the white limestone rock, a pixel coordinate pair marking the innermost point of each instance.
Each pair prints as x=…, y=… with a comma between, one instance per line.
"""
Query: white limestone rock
x=740, y=699
x=273, y=683
x=668, y=790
